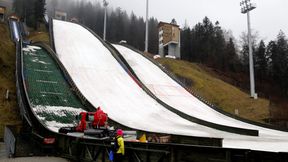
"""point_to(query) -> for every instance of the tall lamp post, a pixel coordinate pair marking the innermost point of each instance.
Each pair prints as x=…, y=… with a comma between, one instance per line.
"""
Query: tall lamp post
x=246, y=7
x=147, y=27
x=105, y=3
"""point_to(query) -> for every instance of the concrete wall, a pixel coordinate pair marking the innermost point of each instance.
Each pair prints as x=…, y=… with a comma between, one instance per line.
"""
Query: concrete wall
x=174, y=50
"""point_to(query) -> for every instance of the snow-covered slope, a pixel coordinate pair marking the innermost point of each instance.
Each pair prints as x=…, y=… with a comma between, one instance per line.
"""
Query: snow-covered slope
x=103, y=81
x=173, y=94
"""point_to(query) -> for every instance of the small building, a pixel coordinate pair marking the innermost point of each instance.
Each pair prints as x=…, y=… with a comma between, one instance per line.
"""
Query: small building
x=169, y=40
x=60, y=15
x=2, y=13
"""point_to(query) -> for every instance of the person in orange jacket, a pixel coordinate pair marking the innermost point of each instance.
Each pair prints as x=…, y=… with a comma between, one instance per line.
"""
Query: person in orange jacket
x=119, y=145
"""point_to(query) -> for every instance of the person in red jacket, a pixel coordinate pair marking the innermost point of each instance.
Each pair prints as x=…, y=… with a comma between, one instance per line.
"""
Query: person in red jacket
x=82, y=122
x=100, y=118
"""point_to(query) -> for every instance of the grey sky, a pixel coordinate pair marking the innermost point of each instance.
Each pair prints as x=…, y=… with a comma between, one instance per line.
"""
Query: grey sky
x=268, y=18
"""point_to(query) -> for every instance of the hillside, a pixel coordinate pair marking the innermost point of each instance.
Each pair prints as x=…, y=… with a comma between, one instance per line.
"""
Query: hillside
x=40, y=35
x=9, y=113
x=218, y=92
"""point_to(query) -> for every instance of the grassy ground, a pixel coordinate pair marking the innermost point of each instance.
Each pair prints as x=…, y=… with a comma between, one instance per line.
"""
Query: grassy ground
x=217, y=91
x=40, y=35
x=9, y=114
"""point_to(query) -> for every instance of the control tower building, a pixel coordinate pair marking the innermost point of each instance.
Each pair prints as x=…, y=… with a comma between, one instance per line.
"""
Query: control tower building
x=169, y=39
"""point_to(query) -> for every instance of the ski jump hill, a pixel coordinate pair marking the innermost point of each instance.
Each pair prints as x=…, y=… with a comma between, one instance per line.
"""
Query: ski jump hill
x=104, y=82
x=82, y=72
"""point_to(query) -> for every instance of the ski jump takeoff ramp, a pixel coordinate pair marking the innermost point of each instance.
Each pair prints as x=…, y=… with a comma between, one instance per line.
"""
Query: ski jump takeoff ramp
x=104, y=82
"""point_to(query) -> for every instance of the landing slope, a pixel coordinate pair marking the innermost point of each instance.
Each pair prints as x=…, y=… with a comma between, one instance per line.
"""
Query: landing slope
x=103, y=81
x=173, y=94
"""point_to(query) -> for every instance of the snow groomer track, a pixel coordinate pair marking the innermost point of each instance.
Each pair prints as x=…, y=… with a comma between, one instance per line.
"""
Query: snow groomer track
x=85, y=72
x=103, y=81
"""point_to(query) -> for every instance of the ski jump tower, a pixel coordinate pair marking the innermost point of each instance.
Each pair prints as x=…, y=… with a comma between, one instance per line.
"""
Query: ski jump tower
x=169, y=39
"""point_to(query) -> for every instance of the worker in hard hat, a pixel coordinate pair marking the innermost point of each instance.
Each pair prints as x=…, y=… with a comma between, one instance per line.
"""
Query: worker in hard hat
x=119, y=145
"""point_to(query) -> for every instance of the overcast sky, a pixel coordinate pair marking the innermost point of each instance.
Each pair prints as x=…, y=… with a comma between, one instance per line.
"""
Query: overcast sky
x=268, y=18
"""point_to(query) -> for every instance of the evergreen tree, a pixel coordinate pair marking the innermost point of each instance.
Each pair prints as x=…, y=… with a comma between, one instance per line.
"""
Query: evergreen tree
x=19, y=7
x=261, y=61
x=31, y=11
x=270, y=53
x=153, y=36
x=186, y=50
x=133, y=31
x=231, y=56
x=280, y=63
x=39, y=11
x=219, y=59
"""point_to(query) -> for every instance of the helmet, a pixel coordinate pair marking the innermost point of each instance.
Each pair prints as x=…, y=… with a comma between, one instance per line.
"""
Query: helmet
x=119, y=132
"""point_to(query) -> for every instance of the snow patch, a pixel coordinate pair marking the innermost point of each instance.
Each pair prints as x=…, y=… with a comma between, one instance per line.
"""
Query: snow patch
x=58, y=111
x=55, y=126
x=31, y=48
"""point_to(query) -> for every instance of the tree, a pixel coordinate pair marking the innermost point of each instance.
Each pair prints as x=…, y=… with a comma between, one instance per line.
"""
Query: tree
x=219, y=59
x=279, y=61
x=19, y=8
x=153, y=36
x=32, y=11
x=231, y=56
x=261, y=61
x=270, y=54
x=39, y=11
x=174, y=21
x=186, y=50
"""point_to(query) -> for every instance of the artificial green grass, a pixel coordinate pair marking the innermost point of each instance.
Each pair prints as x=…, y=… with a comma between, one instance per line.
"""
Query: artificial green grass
x=46, y=86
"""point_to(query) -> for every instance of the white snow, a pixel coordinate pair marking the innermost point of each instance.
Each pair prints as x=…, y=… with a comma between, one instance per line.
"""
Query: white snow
x=172, y=57
x=156, y=57
x=104, y=82
x=173, y=94
x=59, y=111
x=31, y=48
x=55, y=126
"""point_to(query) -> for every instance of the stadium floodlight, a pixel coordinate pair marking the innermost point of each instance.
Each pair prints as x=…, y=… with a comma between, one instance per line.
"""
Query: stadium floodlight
x=105, y=4
x=246, y=7
x=147, y=26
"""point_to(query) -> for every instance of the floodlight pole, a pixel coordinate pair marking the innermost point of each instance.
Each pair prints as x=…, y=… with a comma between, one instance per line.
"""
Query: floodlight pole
x=147, y=26
x=105, y=3
x=246, y=7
